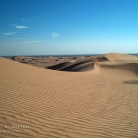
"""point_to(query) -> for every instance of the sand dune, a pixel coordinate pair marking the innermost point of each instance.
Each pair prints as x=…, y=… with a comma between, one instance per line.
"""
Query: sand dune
x=83, y=65
x=60, y=65
x=121, y=57
x=93, y=97
x=112, y=61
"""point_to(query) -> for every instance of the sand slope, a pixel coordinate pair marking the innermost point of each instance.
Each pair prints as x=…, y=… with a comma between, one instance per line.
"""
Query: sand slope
x=95, y=97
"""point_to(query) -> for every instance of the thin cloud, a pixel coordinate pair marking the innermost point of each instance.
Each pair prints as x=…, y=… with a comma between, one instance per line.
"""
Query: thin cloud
x=28, y=20
x=10, y=33
x=55, y=34
x=34, y=41
x=20, y=27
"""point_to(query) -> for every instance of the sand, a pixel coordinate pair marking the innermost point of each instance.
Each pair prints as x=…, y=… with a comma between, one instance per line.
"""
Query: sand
x=84, y=97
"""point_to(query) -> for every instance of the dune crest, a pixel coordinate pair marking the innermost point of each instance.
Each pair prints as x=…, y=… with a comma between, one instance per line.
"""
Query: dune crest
x=108, y=61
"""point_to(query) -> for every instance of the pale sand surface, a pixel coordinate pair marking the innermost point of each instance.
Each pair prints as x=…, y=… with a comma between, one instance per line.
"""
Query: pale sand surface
x=92, y=97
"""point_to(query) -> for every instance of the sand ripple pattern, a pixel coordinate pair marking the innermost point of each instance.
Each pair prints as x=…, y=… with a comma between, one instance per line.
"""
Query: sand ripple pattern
x=59, y=104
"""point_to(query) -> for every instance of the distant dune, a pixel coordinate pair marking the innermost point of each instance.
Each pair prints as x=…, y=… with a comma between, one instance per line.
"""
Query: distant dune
x=69, y=97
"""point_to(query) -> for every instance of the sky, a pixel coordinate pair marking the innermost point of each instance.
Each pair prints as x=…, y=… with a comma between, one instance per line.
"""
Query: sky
x=67, y=27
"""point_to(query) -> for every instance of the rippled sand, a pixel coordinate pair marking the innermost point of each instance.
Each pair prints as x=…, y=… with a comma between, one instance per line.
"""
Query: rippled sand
x=89, y=97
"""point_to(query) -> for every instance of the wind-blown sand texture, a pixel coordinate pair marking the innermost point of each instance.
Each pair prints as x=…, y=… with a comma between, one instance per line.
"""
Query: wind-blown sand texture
x=92, y=97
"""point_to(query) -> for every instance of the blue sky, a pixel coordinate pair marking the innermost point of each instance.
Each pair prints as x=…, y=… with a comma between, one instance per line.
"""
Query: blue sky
x=60, y=27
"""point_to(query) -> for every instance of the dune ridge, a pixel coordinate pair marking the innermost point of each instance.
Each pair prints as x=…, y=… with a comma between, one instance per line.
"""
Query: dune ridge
x=94, y=97
x=112, y=61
